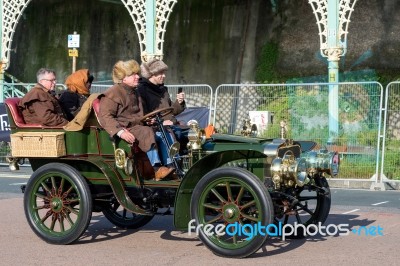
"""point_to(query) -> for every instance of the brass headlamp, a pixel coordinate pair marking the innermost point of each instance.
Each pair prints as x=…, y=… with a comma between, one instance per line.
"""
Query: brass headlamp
x=122, y=161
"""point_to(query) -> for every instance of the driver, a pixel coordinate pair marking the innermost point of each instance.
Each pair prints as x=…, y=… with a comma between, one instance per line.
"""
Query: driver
x=121, y=111
x=155, y=96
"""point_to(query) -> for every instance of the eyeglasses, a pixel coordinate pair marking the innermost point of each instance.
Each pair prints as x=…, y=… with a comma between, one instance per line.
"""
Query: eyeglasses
x=51, y=80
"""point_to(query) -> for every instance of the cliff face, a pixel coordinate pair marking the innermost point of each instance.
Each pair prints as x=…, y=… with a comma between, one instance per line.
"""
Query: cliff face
x=373, y=39
x=209, y=42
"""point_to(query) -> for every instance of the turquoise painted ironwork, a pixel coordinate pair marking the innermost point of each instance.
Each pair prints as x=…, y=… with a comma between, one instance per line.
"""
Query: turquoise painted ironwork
x=150, y=26
x=333, y=19
x=333, y=70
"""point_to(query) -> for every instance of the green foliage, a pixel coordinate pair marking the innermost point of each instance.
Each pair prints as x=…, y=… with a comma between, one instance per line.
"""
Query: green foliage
x=4, y=151
x=358, y=76
x=392, y=159
x=266, y=66
x=388, y=76
x=391, y=170
x=367, y=137
x=4, y=147
x=357, y=166
x=351, y=76
x=279, y=107
x=273, y=131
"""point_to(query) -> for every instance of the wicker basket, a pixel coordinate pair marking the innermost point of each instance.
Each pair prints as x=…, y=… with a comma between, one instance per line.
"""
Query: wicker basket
x=37, y=144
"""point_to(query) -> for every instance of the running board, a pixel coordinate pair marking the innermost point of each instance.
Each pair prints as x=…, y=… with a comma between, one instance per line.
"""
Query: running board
x=118, y=188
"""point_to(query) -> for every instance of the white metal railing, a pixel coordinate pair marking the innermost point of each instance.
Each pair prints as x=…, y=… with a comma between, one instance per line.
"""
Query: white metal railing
x=15, y=89
x=305, y=109
x=196, y=95
x=369, y=117
x=389, y=167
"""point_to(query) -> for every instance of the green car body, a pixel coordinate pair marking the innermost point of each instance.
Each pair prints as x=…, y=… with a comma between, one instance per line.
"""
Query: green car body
x=221, y=177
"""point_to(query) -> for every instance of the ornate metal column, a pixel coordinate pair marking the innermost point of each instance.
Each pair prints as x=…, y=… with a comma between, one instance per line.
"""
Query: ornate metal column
x=10, y=13
x=1, y=53
x=333, y=17
x=150, y=18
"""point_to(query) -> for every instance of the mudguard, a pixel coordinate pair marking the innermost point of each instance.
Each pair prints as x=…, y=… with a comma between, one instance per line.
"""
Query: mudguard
x=197, y=171
x=118, y=187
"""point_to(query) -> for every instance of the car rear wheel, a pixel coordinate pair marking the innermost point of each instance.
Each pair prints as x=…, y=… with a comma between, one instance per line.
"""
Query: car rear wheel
x=123, y=218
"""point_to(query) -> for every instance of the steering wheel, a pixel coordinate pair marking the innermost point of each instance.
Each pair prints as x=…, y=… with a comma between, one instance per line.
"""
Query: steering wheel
x=161, y=112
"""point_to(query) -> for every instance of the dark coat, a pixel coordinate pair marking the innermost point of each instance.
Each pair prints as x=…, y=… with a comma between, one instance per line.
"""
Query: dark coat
x=157, y=97
x=40, y=107
x=121, y=107
x=71, y=102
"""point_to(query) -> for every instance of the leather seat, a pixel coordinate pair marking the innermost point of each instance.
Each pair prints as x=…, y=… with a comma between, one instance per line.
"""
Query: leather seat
x=12, y=105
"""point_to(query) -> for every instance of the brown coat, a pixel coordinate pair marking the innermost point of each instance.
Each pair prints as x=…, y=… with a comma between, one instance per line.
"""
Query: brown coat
x=120, y=107
x=40, y=107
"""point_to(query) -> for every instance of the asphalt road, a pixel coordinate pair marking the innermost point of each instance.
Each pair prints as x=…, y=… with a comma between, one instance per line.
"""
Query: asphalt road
x=159, y=243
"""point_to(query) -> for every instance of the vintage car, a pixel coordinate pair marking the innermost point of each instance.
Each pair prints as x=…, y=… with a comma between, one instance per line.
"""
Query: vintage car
x=223, y=180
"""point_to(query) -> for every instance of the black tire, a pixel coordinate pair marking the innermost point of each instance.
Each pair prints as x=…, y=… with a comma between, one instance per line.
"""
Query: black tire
x=58, y=203
x=123, y=218
x=312, y=207
x=231, y=195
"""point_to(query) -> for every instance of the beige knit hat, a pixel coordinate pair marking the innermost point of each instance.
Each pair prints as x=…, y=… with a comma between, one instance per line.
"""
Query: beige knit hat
x=152, y=67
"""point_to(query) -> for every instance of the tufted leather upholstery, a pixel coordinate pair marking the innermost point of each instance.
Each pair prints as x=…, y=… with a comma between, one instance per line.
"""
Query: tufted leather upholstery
x=96, y=108
x=12, y=105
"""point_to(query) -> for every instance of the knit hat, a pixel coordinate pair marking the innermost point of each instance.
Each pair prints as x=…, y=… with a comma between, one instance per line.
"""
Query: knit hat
x=152, y=67
x=76, y=82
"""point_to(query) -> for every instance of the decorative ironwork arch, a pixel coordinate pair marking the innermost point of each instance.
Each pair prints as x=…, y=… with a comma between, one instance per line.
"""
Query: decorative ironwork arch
x=320, y=9
x=333, y=19
x=137, y=10
x=12, y=10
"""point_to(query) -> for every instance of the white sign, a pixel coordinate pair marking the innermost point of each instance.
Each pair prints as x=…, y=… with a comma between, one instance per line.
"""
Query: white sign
x=261, y=119
x=73, y=41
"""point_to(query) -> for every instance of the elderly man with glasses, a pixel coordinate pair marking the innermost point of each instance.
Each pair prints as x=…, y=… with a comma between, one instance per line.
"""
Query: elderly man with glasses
x=39, y=106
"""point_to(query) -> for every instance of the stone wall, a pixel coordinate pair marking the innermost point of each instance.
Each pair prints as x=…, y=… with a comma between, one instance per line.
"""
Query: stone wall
x=207, y=41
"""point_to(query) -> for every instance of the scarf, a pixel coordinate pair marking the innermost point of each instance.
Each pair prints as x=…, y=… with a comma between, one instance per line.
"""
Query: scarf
x=76, y=82
x=151, y=94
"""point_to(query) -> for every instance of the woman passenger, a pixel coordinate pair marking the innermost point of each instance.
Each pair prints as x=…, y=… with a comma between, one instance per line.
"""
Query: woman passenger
x=78, y=89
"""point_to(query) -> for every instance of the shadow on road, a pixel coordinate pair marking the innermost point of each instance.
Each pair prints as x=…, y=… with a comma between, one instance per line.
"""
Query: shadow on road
x=276, y=245
x=100, y=229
